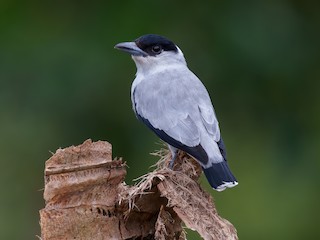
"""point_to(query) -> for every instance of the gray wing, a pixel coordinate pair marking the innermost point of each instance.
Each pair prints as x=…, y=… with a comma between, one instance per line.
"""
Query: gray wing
x=179, y=107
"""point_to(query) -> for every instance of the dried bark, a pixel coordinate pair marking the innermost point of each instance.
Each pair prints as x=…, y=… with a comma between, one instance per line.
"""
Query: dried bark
x=86, y=198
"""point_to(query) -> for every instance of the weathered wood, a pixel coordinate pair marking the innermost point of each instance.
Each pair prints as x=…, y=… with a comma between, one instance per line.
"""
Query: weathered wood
x=86, y=198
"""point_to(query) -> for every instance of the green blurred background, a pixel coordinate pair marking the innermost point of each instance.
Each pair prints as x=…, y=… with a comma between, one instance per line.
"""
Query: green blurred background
x=62, y=82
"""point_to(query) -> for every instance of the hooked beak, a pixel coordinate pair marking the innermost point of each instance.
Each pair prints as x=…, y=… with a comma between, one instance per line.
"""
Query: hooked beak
x=132, y=48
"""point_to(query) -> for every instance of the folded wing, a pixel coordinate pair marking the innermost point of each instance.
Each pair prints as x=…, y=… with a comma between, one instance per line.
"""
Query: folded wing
x=171, y=105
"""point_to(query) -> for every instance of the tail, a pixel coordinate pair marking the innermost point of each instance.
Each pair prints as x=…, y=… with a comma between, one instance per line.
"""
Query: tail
x=220, y=176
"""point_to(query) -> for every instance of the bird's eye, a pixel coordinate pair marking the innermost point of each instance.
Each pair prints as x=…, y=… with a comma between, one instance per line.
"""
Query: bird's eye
x=156, y=49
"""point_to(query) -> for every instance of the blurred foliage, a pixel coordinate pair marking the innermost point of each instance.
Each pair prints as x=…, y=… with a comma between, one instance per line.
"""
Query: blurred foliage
x=62, y=82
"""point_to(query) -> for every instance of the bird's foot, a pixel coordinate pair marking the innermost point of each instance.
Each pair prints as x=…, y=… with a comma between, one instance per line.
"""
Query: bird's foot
x=174, y=154
x=171, y=163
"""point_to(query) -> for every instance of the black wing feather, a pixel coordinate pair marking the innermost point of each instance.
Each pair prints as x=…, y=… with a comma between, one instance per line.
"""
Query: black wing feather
x=197, y=152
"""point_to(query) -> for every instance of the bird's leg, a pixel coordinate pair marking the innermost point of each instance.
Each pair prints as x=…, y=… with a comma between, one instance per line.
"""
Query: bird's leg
x=174, y=153
x=171, y=163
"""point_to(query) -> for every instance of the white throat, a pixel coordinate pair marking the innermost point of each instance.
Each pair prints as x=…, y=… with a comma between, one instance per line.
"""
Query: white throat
x=155, y=64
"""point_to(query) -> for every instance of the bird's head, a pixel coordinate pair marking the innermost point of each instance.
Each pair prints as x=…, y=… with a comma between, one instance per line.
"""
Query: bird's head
x=153, y=51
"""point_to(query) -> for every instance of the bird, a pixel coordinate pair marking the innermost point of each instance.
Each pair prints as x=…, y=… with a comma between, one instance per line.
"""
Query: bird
x=172, y=101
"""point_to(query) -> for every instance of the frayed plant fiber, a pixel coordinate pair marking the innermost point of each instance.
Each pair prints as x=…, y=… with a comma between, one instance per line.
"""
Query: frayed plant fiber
x=183, y=196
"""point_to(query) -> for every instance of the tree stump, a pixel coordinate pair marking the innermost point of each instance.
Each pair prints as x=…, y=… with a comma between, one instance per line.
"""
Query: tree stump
x=86, y=198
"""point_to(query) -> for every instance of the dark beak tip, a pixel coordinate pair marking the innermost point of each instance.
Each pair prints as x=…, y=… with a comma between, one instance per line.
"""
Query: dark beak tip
x=116, y=46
